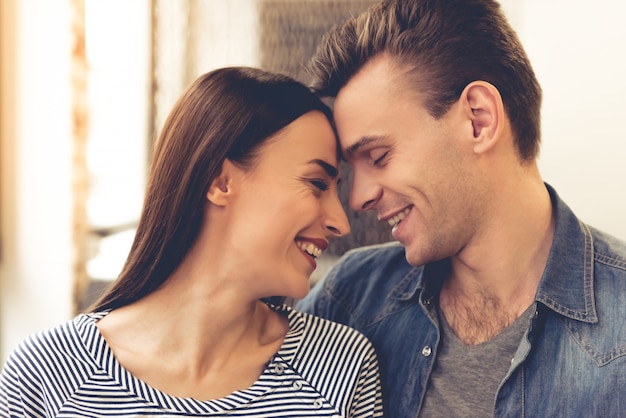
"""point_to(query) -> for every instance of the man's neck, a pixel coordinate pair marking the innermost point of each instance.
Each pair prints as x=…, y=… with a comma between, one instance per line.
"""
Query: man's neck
x=495, y=278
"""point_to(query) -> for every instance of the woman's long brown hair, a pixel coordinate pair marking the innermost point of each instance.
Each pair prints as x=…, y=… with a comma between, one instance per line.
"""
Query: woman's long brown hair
x=226, y=113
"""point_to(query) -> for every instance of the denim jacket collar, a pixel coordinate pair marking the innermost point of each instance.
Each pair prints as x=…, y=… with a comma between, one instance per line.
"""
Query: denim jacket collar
x=416, y=283
x=567, y=285
x=571, y=252
x=410, y=285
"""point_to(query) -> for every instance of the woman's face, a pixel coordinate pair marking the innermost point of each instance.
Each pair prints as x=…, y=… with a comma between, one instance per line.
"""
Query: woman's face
x=286, y=207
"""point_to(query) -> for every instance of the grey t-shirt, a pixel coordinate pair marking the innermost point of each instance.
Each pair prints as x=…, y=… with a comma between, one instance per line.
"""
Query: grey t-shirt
x=466, y=378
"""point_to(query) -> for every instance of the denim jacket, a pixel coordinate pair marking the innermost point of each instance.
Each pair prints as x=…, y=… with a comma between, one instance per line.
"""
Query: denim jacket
x=571, y=361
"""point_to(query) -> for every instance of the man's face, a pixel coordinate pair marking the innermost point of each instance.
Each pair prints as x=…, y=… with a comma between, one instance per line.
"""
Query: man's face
x=414, y=171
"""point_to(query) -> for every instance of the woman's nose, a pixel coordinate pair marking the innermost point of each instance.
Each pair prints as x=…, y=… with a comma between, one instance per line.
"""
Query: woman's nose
x=336, y=220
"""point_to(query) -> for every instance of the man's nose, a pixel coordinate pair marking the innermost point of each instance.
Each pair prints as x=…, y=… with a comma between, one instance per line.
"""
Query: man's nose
x=365, y=192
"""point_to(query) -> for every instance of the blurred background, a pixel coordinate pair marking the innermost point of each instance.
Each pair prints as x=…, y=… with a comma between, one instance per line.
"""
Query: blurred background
x=85, y=86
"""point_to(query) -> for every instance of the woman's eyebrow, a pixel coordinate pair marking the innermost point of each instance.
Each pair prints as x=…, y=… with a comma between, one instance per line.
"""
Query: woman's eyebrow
x=331, y=170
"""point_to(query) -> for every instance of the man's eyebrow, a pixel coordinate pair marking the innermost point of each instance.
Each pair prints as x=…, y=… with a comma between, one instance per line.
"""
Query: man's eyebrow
x=331, y=170
x=362, y=142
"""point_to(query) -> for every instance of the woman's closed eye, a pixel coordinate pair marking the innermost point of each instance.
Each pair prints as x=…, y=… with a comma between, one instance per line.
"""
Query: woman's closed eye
x=320, y=184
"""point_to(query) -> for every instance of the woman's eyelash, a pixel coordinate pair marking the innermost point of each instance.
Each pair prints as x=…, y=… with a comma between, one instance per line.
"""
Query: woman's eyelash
x=320, y=184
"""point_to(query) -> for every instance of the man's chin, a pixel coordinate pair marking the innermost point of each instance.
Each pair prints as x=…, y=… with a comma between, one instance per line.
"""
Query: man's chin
x=412, y=258
x=416, y=256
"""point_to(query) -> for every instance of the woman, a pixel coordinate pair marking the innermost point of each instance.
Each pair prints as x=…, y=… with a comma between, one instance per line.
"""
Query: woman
x=241, y=200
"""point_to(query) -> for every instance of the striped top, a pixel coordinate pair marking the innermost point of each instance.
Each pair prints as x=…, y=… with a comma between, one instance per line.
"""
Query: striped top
x=322, y=369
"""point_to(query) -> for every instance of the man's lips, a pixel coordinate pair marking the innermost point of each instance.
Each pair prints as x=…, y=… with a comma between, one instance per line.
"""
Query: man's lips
x=395, y=218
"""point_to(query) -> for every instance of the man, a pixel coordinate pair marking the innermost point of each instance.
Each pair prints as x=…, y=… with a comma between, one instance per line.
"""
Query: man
x=499, y=301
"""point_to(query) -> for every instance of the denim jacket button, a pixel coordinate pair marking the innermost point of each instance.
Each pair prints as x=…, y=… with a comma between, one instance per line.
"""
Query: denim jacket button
x=426, y=351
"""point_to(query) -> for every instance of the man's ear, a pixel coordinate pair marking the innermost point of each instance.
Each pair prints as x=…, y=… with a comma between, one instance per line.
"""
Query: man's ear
x=484, y=106
x=220, y=190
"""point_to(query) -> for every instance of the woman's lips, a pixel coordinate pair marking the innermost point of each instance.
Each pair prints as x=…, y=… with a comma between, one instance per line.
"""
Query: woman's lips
x=312, y=248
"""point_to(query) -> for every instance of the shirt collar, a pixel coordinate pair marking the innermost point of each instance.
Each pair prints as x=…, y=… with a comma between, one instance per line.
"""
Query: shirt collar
x=567, y=282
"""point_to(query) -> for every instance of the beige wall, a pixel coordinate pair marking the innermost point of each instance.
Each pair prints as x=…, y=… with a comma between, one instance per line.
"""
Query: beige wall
x=578, y=49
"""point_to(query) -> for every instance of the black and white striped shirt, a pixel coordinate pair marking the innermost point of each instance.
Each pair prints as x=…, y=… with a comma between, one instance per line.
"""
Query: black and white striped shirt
x=322, y=369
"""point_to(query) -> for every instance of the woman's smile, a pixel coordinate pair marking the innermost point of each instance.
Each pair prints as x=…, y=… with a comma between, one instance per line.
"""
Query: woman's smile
x=312, y=248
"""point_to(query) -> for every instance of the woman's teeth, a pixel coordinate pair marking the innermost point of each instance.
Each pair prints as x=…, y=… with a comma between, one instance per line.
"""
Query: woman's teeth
x=395, y=220
x=309, y=248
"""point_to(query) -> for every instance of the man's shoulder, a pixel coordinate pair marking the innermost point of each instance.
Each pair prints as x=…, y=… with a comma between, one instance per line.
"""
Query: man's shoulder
x=388, y=257
x=609, y=250
x=609, y=272
x=378, y=268
x=369, y=279
x=364, y=286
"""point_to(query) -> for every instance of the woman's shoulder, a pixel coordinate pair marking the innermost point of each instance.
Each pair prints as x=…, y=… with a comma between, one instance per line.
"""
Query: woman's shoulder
x=318, y=331
x=61, y=347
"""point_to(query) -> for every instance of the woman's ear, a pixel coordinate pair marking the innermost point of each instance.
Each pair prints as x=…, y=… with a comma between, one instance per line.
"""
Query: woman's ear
x=220, y=190
x=485, y=108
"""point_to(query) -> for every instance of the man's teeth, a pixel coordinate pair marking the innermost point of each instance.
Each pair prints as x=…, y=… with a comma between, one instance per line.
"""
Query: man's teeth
x=395, y=220
x=309, y=248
